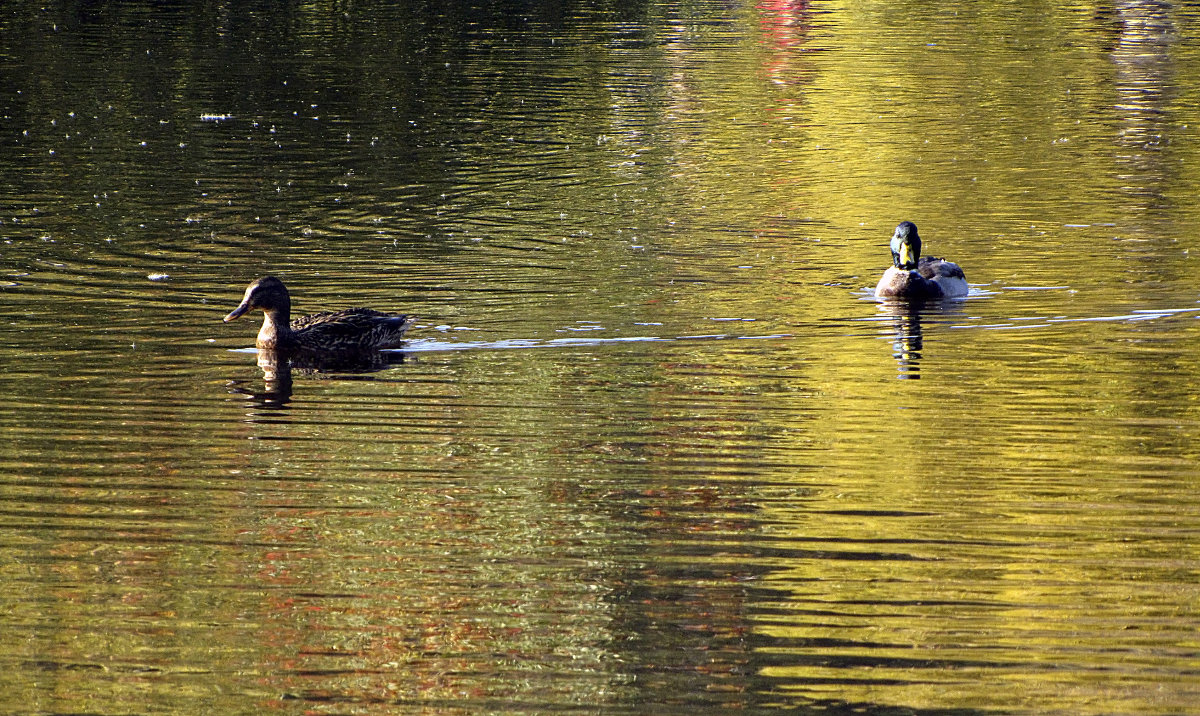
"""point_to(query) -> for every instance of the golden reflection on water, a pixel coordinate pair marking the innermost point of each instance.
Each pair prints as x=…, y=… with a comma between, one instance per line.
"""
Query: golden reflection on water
x=650, y=451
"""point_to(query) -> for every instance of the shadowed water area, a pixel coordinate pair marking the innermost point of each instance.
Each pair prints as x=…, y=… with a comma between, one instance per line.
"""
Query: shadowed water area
x=652, y=447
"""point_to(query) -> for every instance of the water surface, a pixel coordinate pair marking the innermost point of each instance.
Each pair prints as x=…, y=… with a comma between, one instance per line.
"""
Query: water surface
x=652, y=448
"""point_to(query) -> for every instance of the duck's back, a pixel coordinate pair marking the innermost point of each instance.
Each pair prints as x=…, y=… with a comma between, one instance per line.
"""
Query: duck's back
x=352, y=329
x=948, y=276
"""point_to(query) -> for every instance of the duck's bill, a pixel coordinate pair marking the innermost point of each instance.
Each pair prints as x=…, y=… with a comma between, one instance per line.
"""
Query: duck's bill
x=237, y=312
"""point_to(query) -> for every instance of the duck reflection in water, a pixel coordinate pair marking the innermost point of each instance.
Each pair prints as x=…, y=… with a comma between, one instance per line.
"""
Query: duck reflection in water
x=349, y=341
x=908, y=337
x=278, y=368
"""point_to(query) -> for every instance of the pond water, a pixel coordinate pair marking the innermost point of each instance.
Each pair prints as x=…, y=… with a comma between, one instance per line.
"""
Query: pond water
x=653, y=447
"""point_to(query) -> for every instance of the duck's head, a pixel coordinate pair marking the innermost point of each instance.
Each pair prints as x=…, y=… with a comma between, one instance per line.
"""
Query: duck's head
x=266, y=294
x=906, y=246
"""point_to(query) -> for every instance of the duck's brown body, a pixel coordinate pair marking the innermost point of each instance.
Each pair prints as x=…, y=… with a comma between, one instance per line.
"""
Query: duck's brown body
x=931, y=280
x=355, y=329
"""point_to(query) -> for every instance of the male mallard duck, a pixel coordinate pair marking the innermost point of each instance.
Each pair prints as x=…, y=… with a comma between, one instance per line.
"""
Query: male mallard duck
x=355, y=329
x=914, y=277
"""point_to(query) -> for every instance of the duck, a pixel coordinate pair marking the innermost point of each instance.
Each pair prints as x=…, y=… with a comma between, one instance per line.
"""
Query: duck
x=351, y=330
x=919, y=278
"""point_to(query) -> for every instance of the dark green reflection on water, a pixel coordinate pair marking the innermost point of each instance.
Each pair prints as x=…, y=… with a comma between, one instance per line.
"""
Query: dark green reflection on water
x=726, y=500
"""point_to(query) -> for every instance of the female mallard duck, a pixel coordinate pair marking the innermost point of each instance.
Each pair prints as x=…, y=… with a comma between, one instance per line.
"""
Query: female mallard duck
x=355, y=329
x=916, y=278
